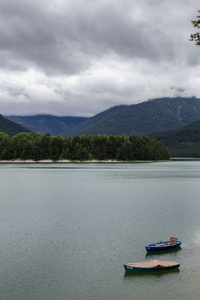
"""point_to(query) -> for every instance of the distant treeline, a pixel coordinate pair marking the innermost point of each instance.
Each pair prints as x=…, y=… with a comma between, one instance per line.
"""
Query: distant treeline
x=37, y=147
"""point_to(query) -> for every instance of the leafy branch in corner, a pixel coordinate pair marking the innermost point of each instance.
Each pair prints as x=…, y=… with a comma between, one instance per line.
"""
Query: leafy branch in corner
x=196, y=36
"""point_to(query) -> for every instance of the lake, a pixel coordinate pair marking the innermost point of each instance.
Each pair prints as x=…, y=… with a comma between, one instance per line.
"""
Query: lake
x=66, y=229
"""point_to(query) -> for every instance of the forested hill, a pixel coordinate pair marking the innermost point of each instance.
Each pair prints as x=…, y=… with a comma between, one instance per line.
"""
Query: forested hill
x=182, y=142
x=53, y=125
x=90, y=126
x=11, y=128
x=156, y=115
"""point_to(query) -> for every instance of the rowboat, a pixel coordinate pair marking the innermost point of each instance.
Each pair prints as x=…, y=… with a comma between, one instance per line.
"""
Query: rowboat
x=161, y=246
x=152, y=265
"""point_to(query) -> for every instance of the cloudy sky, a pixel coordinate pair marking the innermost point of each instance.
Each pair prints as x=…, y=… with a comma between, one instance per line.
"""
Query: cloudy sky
x=80, y=57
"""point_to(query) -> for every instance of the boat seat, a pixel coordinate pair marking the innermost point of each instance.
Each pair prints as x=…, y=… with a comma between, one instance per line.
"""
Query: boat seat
x=173, y=240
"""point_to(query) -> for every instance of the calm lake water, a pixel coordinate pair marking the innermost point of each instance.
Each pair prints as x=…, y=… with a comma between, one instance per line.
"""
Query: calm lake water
x=67, y=229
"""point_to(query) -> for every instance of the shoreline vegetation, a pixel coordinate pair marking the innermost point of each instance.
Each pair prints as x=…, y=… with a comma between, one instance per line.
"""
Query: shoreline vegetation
x=76, y=161
x=19, y=161
x=35, y=147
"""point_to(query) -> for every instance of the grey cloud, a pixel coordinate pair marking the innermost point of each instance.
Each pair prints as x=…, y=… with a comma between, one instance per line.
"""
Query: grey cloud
x=67, y=43
x=134, y=50
x=33, y=37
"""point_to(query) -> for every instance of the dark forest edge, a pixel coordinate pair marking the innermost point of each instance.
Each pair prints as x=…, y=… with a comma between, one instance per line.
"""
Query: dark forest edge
x=36, y=147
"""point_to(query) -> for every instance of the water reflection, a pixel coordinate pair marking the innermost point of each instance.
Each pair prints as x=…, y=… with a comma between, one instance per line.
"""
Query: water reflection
x=163, y=252
x=128, y=275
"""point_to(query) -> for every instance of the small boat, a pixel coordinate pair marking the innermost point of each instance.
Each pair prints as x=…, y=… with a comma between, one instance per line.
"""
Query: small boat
x=168, y=245
x=151, y=266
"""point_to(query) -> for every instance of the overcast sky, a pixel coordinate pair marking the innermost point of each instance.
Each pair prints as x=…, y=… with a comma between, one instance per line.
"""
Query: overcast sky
x=80, y=57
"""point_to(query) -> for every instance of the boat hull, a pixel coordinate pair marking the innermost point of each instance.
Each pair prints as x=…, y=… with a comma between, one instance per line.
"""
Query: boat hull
x=162, y=246
x=156, y=269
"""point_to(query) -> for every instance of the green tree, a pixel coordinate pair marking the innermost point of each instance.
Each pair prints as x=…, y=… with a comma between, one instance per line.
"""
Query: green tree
x=45, y=150
x=82, y=153
x=22, y=145
x=5, y=148
x=124, y=151
x=196, y=36
x=56, y=147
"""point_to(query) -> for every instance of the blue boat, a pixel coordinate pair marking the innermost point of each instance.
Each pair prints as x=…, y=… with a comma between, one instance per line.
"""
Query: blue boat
x=173, y=243
x=153, y=265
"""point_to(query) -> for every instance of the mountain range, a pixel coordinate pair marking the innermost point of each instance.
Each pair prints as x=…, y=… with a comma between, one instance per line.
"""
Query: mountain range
x=173, y=121
x=47, y=123
x=157, y=115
